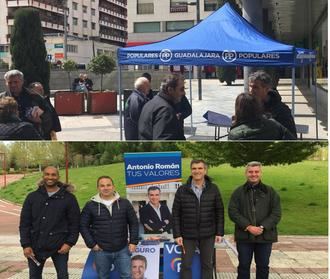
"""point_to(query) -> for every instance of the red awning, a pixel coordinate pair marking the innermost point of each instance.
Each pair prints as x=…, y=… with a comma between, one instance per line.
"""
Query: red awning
x=131, y=44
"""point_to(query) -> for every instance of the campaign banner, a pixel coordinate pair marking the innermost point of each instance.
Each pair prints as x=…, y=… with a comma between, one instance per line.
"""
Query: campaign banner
x=162, y=169
x=144, y=264
x=172, y=262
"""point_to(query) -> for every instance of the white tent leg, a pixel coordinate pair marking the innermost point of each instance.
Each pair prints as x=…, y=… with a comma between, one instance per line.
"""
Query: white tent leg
x=190, y=93
x=293, y=91
x=120, y=103
x=316, y=107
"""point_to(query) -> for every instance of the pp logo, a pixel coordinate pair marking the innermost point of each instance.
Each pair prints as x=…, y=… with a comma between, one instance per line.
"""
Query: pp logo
x=229, y=56
x=165, y=55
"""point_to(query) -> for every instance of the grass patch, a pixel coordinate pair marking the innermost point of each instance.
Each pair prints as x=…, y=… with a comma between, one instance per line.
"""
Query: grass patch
x=303, y=188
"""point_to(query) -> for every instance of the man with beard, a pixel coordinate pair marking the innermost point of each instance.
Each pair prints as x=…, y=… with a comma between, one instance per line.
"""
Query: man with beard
x=158, y=119
x=260, y=84
x=49, y=224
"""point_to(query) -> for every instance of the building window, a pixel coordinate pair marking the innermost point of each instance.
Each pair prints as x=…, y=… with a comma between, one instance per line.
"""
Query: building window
x=99, y=51
x=93, y=12
x=75, y=21
x=145, y=7
x=72, y=48
x=85, y=23
x=146, y=27
x=210, y=5
x=93, y=25
x=84, y=9
x=4, y=48
x=74, y=6
x=173, y=26
x=178, y=6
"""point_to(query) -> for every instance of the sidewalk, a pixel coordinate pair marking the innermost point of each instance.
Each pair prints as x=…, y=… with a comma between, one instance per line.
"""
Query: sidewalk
x=216, y=97
x=297, y=257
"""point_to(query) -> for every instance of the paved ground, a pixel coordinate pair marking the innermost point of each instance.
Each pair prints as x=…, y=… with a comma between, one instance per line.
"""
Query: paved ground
x=216, y=97
x=296, y=257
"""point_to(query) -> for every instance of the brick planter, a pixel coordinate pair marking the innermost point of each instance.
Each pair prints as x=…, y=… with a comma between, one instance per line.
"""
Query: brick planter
x=102, y=102
x=69, y=103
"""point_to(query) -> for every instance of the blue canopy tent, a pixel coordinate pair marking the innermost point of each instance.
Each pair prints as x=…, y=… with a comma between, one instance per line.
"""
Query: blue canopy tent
x=223, y=39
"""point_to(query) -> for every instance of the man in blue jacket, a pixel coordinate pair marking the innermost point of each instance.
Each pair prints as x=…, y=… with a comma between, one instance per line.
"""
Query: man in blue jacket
x=255, y=209
x=105, y=221
x=49, y=224
x=155, y=217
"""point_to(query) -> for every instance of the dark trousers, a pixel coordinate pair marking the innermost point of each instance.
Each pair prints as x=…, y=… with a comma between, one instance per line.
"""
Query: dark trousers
x=60, y=262
x=261, y=253
x=206, y=247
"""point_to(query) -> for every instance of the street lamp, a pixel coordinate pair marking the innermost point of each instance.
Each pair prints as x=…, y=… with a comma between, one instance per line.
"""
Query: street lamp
x=93, y=39
x=199, y=68
x=3, y=159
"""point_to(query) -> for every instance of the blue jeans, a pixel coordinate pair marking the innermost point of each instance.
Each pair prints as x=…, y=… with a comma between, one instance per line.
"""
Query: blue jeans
x=261, y=253
x=121, y=259
x=60, y=262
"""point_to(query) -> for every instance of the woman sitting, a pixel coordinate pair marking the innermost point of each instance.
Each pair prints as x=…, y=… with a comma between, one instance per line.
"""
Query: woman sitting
x=250, y=123
x=11, y=126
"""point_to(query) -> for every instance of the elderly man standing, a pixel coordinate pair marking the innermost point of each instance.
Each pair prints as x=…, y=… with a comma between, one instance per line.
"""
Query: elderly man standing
x=133, y=107
x=255, y=209
x=49, y=224
x=158, y=119
x=260, y=84
x=198, y=219
x=31, y=108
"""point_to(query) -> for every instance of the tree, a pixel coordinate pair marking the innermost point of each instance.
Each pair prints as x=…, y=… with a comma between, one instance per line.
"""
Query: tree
x=240, y=153
x=69, y=66
x=100, y=65
x=226, y=74
x=27, y=47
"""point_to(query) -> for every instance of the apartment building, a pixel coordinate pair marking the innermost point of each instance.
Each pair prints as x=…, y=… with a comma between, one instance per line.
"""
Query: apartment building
x=93, y=26
x=153, y=20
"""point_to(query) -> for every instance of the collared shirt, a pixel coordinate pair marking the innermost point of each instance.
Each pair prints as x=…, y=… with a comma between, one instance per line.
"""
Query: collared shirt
x=197, y=190
x=157, y=210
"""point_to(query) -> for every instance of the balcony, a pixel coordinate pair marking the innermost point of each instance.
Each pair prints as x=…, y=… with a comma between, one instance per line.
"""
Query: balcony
x=113, y=13
x=182, y=8
x=39, y=4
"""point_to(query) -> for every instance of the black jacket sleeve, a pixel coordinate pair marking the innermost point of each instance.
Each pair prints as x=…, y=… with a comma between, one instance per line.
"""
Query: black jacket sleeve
x=133, y=225
x=176, y=210
x=85, y=222
x=25, y=224
x=73, y=216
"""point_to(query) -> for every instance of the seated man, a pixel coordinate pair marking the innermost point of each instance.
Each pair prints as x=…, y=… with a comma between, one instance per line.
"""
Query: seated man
x=11, y=126
x=154, y=217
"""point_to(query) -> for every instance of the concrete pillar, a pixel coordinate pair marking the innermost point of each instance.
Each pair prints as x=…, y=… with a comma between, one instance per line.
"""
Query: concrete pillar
x=253, y=13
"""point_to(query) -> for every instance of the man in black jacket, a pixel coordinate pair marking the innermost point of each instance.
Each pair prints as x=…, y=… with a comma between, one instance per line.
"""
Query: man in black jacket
x=133, y=108
x=104, y=226
x=198, y=219
x=158, y=119
x=260, y=84
x=155, y=217
x=49, y=224
x=255, y=209
x=31, y=107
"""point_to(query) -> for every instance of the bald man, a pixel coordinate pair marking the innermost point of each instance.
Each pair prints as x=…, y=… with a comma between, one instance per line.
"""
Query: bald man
x=133, y=107
x=49, y=224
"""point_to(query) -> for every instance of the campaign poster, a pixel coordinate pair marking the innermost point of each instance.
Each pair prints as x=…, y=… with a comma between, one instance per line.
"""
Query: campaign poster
x=172, y=262
x=162, y=169
x=144, y=264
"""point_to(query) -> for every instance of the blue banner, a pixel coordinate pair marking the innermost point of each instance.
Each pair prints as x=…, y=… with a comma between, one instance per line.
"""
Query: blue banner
x=172, y=262
x=143, y=169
